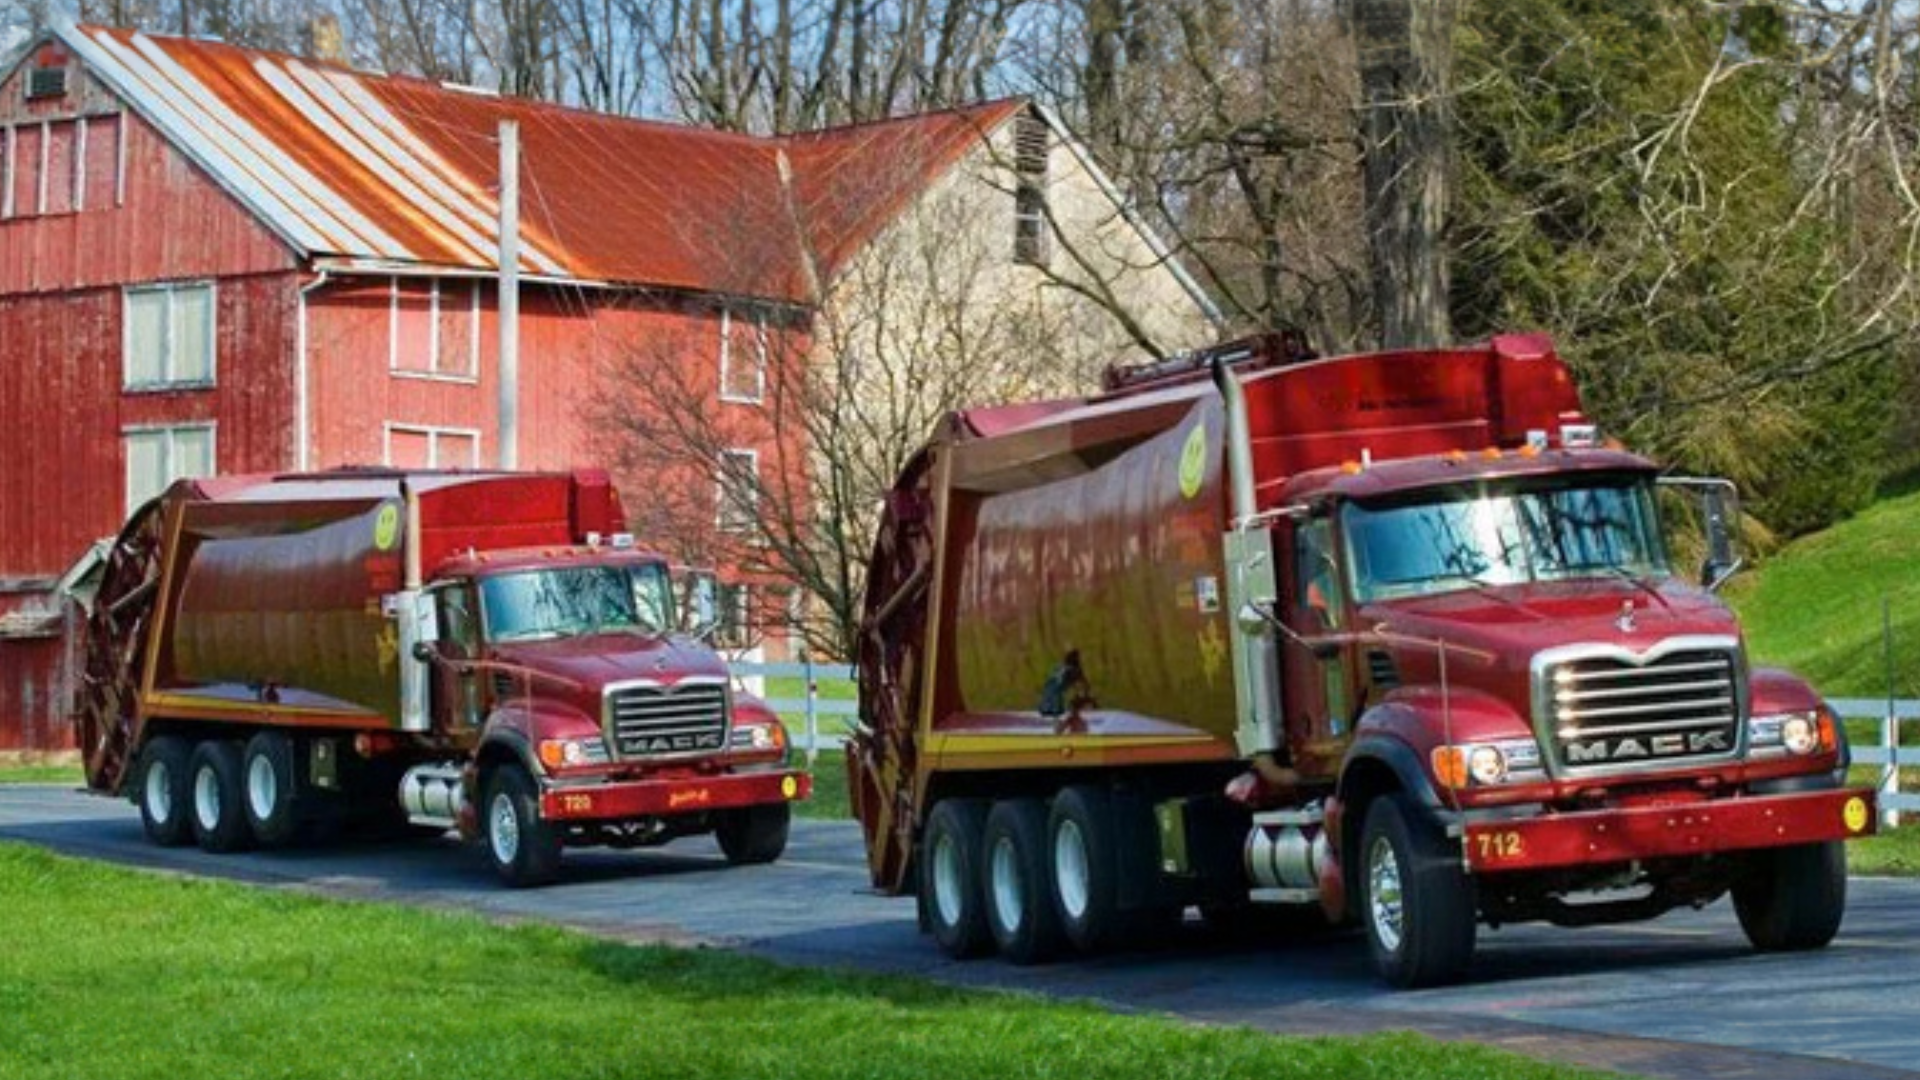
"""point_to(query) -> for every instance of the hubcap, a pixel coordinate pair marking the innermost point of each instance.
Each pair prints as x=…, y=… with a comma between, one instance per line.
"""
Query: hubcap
x=1070, y=869
x=503, y=830
x=1007, y=886
x=263, y=788
x=157, y=789
x=946, y=880
x=206, y=798
x=1383, y=894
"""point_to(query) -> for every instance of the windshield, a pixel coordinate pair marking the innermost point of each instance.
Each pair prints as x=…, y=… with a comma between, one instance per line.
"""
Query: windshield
x=1465, y=539
x=571, y=601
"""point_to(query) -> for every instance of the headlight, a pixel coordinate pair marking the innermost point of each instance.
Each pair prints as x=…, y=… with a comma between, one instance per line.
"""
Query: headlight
x=1796, y=733
x=572, y=753
x=760, y=737
x=1508, y=761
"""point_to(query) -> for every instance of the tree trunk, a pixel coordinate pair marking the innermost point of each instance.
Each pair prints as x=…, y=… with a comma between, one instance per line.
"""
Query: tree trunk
x=1405, y=52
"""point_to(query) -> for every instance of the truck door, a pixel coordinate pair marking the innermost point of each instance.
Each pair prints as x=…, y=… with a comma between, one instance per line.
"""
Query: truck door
x=1319, y=684
x=457, y=689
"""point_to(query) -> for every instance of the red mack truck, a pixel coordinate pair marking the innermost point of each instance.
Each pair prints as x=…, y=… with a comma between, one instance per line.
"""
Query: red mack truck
x=269, y=656
x=1393, y=638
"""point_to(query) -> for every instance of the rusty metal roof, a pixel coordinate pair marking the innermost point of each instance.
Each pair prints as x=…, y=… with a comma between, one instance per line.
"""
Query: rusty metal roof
x=382, y=171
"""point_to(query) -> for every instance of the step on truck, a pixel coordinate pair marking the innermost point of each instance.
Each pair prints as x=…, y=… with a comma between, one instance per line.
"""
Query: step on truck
x=1394, y=638
x=269, y=658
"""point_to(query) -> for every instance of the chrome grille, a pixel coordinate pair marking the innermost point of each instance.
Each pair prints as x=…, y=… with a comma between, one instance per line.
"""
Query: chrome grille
x=650, y=721
x=1610, y=711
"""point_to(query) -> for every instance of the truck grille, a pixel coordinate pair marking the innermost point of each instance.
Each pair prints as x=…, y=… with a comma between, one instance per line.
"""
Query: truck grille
x=650, y=721
x=1604, y=710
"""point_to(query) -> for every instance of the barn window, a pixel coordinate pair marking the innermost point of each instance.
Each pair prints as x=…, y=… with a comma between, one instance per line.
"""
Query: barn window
x=434, y=328
x=743, y=356
x=1030, y=227
x=424, y=446
x=157, y=456
x=167, y=336
x=737, y=490
x=735, y=608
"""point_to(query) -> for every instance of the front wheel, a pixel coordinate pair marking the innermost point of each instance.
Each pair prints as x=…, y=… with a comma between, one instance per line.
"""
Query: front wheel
x=1415, y=900
x=754, y=834
x=525, y=849
x=1792, y=898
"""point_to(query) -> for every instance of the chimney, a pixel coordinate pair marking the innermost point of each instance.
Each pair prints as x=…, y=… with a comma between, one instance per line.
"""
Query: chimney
x=325, y=41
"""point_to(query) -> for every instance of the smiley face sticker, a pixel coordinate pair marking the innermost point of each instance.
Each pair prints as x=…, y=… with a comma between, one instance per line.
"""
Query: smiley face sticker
x=1193, y=461
x=386, y=527
x=1855, y=814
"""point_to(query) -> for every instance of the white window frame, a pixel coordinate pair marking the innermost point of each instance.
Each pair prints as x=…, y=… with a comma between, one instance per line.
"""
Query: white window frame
x=211, y=427
x=758, y=321
x=723, y=505
x=6, y=172
x=434, y=433
x=168, y=383
x=430, y=373
x=735, y=612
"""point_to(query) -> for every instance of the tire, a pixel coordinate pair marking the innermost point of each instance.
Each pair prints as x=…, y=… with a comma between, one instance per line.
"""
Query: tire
x=1083, y=870
x=165, y=792
x=754, y=834
x=953, y=905
x=271, y=803
x=1792, y=899
x=525, y=849
x=218, y=798
x=1415, y=900
x=1020, y=910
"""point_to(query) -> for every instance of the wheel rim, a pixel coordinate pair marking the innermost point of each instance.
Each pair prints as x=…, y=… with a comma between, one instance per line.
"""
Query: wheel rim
x=1070, y=869
x=1383, y=895
x=1007, y=886
x=503, y=830
x=263, y=788
x=206, y=798
x=157, y=790
x=946, y=880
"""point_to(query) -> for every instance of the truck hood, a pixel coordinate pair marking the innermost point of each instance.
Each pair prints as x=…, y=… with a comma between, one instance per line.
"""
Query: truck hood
x=1509, y=623
x=598, y=659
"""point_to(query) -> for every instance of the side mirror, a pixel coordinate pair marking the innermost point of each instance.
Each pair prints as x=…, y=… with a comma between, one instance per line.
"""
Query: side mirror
x=1719, y=507
x=699, y=603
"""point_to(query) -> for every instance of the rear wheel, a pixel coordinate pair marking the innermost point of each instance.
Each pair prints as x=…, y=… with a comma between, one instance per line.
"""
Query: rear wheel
x=1081, y=848
x=525, y=849
x=1020, y=909
x=219, y=817
x=166, y=791
x=754, y=834
x=268, y=766
x=1793, y=898
x=950, y=877
x=1415, y=899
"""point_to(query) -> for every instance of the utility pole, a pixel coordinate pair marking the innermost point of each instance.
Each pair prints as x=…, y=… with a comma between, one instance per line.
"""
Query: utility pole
x=509, y=453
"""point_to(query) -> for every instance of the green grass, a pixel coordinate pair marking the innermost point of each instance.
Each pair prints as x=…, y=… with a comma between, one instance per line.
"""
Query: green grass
x=40, y=774
x=1815, y=606
x=113, y=973
x=829, y=800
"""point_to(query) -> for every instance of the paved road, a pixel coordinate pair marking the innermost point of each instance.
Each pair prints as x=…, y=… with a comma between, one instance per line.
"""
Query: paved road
x=1680, y=997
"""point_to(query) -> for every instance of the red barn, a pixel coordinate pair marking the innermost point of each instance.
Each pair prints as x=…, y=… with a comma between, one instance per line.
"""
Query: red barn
x=219, y=260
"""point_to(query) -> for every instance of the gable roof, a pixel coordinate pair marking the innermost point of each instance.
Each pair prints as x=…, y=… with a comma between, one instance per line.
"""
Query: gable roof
x=386, y=171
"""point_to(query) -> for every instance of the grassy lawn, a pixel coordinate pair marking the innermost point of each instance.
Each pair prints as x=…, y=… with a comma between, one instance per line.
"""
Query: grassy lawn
x=22, y=773
x=1815, y=606
x=114, y=973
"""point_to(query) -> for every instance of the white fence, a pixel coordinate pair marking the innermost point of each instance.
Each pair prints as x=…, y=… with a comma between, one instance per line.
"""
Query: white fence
x=1888, y=754
x=824, y=722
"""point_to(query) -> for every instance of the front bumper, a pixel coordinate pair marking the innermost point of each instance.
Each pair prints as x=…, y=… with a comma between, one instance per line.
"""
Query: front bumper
x=667, y=798
x=1595, y=837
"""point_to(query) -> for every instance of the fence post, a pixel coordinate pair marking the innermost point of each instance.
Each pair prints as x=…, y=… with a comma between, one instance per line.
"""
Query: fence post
x=1890, y=772
x=813, y=717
